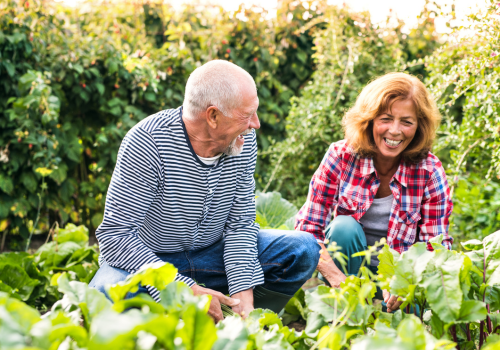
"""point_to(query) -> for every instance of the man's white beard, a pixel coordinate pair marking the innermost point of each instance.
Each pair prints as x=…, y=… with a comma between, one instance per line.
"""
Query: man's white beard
x=233, y=149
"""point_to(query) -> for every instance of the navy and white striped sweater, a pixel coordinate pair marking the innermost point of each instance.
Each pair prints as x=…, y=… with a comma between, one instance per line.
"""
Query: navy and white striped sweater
x=163, y=199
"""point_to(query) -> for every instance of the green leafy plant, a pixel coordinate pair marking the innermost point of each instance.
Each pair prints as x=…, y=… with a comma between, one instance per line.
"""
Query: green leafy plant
x=75, y=80
x=274, y=211
x=464, y=79
x=458, y=293
x=350, y=52
x=30, y=277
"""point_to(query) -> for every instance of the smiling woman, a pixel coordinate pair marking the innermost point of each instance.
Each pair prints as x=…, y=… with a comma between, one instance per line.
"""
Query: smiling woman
x=381, y=181
x=394, y=100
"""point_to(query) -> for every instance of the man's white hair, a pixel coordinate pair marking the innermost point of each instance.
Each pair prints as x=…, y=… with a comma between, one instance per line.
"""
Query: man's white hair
x=216, y=83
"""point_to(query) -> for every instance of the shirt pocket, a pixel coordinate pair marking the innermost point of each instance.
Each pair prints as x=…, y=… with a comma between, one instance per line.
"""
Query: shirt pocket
x=407, y=225
x=348, y=206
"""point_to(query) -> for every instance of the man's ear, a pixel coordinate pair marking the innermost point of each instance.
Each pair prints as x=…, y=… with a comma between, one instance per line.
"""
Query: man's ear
x=213, y=117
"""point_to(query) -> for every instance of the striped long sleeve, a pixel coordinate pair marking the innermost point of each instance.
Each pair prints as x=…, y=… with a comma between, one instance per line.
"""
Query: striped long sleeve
x=243, y=268
x=164, y=199
x=134, y=185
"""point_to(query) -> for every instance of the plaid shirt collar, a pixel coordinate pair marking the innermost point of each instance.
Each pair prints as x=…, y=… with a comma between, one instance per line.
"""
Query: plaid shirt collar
x=402, y=174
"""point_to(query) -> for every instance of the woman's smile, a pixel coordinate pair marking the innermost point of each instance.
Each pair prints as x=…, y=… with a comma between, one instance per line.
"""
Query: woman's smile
x=392, y=143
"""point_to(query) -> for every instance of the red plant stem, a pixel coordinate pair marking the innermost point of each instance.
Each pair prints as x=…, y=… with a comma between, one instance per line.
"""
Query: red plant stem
x=408, y=309
x=488, y=320
x=422, y=311
x=453, y=330
x=467, y=327
x=481, y=330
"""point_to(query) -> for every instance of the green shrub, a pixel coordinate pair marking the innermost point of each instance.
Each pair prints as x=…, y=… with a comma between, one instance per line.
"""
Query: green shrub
x=73, y=81
x=349, y=53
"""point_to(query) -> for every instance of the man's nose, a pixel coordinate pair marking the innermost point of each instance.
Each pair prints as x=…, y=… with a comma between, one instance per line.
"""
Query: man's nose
x=254, y=122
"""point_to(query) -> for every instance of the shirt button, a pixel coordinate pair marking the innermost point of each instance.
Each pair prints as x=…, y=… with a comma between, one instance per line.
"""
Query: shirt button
x=209, y=190
x=397, y=197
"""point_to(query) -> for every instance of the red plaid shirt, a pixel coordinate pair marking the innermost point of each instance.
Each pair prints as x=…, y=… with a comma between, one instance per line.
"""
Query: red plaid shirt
x=421, y=207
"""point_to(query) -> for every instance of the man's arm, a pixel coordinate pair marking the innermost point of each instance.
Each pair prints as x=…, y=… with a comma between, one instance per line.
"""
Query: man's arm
x=133, y=187
x=240, y=245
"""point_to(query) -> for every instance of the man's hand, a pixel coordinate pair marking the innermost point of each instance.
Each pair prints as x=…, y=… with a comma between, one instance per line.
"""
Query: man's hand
x=328, y=268
x=391, y=300
x=218, y=298
x=246, y=302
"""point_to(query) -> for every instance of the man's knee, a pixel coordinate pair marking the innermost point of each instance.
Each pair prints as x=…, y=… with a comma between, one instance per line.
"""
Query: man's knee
x=306, y=250
x=107, y=275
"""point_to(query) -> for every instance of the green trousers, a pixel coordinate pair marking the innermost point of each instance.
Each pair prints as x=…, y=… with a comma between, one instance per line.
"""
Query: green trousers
x=349, y=235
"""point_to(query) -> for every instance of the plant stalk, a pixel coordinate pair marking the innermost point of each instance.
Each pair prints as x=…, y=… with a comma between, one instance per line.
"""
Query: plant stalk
x=36, y=220
x=453, y=330
x=422, y=311
x=467, y=331
x=488, y=320
x=481, y=335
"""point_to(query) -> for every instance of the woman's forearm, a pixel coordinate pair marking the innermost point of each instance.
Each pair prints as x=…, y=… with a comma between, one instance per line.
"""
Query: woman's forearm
x=328, y=269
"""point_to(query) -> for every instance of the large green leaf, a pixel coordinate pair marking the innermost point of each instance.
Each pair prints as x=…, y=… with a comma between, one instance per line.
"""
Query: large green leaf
x=17, y=278
x=231, y=334
x=198, y=332
x=139, y=301
x=336, y=339
x=176, y=295
x=52, y=254
x=315, y=321
x=90, y=301
x=158, y=275
x=408, y=271
x=410, y=335
x=53, y=330
x=73, y=233
x=24, y=315
x=16, y=321
x=442, y=285
x=324, y=303
x=472, y=311
x=387, y=264
x=272, y=210
x=296, y=304
x=492, y=343
x=486, y=254
x=485, y=257
x=114, y=331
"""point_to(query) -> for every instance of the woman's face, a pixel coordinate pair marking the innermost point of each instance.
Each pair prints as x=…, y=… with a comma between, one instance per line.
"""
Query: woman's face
x=393, y=130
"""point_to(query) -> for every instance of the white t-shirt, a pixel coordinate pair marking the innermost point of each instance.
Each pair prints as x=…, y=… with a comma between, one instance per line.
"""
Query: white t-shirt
x=211, y=160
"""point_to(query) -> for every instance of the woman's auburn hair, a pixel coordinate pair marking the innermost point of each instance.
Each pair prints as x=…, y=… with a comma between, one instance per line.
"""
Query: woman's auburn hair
x=377, y=98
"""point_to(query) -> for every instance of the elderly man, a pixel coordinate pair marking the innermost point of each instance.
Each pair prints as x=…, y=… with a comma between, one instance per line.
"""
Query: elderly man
x=183, y=192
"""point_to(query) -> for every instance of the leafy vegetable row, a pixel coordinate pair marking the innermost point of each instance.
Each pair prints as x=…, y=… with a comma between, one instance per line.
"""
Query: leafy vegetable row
x=456, y=291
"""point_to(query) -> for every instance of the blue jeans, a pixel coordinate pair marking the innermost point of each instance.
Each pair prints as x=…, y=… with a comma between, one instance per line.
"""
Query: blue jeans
x=288, y=259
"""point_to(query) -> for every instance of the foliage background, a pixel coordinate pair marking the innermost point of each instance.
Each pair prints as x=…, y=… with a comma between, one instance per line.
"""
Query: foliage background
x=73, y=81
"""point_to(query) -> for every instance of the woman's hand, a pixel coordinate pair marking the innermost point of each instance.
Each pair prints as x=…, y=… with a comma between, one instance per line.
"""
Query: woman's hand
x=328, y=268
x=391, y=300
x=218, y=298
